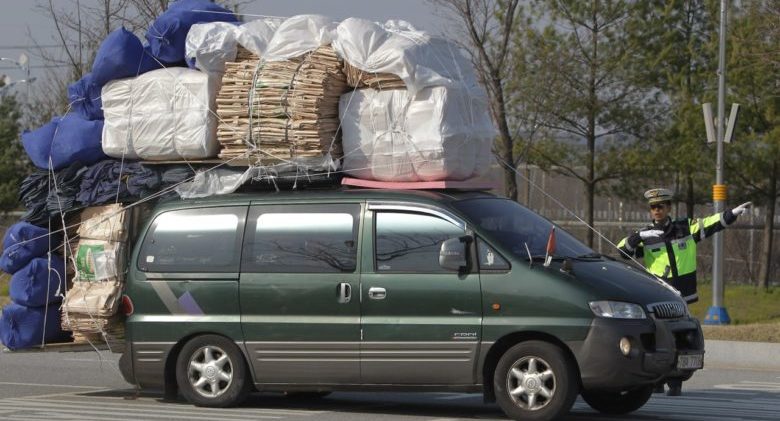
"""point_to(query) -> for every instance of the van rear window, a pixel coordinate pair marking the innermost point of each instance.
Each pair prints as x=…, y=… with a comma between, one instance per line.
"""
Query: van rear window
x=194, y=240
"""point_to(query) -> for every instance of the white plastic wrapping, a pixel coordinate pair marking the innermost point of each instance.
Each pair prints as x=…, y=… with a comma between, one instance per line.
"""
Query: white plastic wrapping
x=210, y=45
x=257, y=34
x=299, y=35
x=442, y=133
x=396, y=47
x=214, y=181
x=165, y=114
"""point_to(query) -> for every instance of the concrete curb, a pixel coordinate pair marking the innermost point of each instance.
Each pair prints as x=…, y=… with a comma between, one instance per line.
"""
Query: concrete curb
x=733, y=354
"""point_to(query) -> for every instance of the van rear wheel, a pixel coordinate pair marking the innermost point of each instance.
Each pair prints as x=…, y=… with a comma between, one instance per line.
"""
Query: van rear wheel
x=535, y=380
x=211, y=371
x=618, y=403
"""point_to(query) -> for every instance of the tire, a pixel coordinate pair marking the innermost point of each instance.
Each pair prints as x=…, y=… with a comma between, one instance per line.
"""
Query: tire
x=211, y=371
x=548, y=379
x=618, y=403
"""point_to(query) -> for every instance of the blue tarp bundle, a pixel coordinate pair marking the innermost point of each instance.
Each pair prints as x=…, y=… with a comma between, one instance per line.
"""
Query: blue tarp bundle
x=23, y=242
x=35, y=285
x=111, y=180
x=26, y=327
x=65, y=185
x=84, y=98
x=37, y=143
x=77, y=140
x=32, y=193
x=121, y=55
x=168, y=33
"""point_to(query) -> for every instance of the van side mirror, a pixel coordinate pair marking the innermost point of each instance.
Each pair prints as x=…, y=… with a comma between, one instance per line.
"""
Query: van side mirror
x=453, y=254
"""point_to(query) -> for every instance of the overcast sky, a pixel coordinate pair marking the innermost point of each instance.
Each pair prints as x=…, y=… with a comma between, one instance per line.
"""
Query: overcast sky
x=19, y=17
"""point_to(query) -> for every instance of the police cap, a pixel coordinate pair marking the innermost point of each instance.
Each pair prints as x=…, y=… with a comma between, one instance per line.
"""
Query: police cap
x=654, y=196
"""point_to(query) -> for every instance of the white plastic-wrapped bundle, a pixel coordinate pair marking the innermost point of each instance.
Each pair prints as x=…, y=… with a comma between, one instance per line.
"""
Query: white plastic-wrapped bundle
x=441, y=133
x=210, y=45
x=257, y=34
x=165, y=114
x=395, y=47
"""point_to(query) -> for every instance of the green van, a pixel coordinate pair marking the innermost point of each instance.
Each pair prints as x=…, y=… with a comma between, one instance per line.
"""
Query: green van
x=317, y=291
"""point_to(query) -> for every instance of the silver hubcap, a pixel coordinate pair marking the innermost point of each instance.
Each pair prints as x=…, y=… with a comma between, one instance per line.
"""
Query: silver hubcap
x=531, y=383
x=210, y=371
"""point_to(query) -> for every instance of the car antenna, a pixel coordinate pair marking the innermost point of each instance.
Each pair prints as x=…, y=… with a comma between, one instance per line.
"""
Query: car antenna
x=530, y=258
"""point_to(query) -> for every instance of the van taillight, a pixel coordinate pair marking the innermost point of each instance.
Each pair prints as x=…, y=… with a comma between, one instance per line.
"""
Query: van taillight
x=127, y=306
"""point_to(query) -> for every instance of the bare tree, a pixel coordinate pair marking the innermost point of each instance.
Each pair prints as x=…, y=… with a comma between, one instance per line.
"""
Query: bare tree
x=487, y=34
x=80, y=27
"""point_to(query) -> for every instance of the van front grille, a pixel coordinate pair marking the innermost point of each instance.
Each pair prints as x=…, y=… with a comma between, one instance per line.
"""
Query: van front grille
x=668, y=310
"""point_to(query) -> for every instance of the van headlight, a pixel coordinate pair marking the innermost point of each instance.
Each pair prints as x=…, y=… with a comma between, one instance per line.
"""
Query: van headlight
x=617, y=310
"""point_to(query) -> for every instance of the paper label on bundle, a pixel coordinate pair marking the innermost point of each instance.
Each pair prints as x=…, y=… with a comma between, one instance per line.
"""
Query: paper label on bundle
x=96, y=262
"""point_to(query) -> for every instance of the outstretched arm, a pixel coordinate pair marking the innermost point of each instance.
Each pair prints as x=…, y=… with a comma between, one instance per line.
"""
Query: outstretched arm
x=705, y=227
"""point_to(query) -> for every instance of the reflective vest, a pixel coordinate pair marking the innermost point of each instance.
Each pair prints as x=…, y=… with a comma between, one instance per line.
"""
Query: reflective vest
x=672, y=256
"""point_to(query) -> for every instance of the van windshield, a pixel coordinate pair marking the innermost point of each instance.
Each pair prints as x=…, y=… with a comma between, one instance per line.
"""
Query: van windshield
x=514, y=226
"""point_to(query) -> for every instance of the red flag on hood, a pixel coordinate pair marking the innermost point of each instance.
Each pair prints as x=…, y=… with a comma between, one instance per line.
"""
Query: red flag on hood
x=550, y=247
x=551, y=242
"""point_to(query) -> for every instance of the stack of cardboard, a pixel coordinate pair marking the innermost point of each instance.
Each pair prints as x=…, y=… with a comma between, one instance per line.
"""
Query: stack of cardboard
x=287, y=109
x=92, y=302
x=357, y=78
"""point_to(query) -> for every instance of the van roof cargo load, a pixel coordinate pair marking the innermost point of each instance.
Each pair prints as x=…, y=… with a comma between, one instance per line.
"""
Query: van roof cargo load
x=441, y=133
x=164, y=114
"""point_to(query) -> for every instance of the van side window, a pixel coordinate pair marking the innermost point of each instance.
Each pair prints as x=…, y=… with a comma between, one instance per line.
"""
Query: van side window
x=489, y=259
x=301, y=239
x=410, y=242
x=194, y=240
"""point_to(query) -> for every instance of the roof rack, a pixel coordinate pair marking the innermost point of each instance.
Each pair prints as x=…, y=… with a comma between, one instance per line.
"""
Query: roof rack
x=468, y=185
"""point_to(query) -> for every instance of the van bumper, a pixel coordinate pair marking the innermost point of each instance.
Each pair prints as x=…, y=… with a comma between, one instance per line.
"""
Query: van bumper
x=656, y=345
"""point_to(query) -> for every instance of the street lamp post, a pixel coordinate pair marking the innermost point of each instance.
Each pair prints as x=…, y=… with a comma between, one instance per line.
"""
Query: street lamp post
x=24, y=64
x=717, y=313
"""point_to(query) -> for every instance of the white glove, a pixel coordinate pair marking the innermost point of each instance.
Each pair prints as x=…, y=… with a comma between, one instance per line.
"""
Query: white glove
x=645, y=235
x=741, y=209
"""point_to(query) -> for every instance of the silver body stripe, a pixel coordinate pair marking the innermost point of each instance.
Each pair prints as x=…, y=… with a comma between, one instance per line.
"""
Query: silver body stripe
x=167, y=297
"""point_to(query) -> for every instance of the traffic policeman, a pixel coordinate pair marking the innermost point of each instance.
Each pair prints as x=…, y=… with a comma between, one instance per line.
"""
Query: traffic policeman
x=669, y=248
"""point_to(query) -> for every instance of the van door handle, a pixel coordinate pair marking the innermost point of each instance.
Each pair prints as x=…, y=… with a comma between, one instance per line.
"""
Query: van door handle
x=344, y=292
x=376, y=293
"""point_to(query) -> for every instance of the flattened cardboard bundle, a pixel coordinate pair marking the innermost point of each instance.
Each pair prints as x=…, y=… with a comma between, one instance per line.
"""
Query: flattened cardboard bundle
x=93, y=298
x=108, y=223
x=288, y=109
x=99, y=265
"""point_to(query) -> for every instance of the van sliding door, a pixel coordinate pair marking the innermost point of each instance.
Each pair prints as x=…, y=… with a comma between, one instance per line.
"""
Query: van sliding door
x=300, y=309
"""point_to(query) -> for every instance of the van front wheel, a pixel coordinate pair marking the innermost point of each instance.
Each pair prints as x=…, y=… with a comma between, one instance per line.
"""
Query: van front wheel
x=211, y=371
x=535, y=381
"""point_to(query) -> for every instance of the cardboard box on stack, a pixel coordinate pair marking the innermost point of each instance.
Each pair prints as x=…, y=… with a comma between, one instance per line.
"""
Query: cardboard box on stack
x=91, y=305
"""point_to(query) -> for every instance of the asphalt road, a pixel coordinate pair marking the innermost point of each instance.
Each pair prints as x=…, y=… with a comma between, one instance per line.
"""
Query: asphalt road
x=87, y=386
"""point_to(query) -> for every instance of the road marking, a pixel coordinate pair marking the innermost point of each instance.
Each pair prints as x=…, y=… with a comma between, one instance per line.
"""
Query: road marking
x=162, y=406
x=52, y=385
x=79, y=409
x=749, y=385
